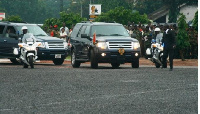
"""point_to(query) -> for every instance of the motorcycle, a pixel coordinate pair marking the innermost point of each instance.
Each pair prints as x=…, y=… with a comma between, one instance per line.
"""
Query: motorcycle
x=28, y=50
x=155, y=53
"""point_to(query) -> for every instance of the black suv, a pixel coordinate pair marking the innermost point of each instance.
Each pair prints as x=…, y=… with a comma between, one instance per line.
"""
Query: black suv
x=100, y=42
x=52, y=48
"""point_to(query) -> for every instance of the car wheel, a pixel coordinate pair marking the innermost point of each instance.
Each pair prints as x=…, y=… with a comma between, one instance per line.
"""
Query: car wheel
x=74, y=62
x=135, y=63
x=115, y=65
x=58, y=61
x=93, y=60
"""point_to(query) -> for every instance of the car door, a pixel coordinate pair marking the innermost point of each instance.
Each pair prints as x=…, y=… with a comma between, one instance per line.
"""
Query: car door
x=10, y=41
x=83, y=46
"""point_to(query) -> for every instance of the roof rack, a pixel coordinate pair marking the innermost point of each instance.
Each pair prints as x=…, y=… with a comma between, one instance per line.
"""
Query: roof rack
x=86, y=22
x=13, y=22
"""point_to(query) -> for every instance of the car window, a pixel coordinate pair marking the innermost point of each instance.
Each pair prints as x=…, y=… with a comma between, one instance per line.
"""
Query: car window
x=34, y=29
x=75, y=30
x=10, y=30
x=81, y=31
x=1, y=29
x=87, y=30
x=109, y=30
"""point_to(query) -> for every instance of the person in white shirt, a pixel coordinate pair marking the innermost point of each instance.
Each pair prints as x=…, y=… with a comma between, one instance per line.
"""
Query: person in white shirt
x=63, y=34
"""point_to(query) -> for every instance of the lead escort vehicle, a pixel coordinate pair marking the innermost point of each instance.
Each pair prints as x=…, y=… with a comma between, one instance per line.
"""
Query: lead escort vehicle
x=51, y=48
x=100, y=42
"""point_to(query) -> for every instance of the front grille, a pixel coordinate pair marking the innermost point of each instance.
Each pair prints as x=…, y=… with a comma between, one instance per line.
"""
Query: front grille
x=55, y=45
x=120, y=44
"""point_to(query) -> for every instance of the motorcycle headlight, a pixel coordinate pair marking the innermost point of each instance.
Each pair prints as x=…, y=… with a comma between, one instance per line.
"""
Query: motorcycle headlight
x=102, y=45
x=136, y=45
x=41, y=44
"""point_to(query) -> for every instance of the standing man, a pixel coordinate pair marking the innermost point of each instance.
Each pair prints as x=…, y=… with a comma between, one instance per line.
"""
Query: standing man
x=169, y=45
x=66, y=28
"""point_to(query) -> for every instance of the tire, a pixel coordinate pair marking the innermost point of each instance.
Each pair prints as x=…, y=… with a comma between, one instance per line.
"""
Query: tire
x=30, y=61
x=115, y=65
x=93, y=60
x=58, y=61
x=14, y=61
x=74, y=62
x=135, y=63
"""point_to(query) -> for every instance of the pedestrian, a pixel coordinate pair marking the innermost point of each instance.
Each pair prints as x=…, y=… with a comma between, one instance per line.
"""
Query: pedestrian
x=169, y=45
x=63, y=34
x=66, y=28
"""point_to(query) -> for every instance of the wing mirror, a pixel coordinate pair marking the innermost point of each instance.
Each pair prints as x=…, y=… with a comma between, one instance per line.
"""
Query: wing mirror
x=86, y=36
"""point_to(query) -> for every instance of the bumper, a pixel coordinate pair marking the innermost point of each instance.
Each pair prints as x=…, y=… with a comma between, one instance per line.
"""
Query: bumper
x=44, y=54
x=115, y=57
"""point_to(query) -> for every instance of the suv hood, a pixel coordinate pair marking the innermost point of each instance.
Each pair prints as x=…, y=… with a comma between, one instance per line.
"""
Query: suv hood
x=48, y=39
x=115, y=38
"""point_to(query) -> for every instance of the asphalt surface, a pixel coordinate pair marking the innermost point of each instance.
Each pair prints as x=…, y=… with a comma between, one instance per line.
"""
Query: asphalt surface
x=49, y=89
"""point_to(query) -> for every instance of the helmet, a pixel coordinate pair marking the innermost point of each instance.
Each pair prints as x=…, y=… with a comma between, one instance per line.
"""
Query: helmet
x=24, y=27
x=157, y=29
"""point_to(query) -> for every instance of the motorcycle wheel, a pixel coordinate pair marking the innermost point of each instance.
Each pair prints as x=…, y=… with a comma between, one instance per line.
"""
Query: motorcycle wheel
x=30, y=61
x=25, y=65
x=157, y=65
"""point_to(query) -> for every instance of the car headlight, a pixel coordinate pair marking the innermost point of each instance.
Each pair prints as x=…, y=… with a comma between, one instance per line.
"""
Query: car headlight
x=41, y=44
x=102, y=45
x=136, y=45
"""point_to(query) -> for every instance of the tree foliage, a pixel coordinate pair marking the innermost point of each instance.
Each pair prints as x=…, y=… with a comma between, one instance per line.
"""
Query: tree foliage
x=69, y=18
x=13, y=18
x=195, y=21
x=182, y=36
x=122, y=15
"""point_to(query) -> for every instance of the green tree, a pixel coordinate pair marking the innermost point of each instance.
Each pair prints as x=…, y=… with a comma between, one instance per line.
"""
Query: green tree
x=13, y=18
x=195, y=21
x=69, y=18
x=182, y=36
x=122, y=15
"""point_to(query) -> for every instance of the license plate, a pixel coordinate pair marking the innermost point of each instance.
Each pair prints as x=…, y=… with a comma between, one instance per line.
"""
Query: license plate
x=57, y=55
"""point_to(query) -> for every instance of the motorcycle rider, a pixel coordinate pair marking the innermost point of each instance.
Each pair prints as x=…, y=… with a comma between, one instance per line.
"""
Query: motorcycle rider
x=26, y=37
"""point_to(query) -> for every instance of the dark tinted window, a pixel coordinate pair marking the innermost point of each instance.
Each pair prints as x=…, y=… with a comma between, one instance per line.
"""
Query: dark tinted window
x=10, y=29
x=82, y=31
x=1, y=29
x=75, y=30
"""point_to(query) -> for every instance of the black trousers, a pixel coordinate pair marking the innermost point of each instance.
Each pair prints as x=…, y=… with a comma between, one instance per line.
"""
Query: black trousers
x=166, y=53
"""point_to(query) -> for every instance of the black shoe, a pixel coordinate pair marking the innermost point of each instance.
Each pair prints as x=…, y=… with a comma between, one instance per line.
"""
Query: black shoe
x=170, y=69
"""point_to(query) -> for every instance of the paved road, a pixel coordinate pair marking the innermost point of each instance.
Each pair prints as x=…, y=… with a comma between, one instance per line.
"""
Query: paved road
x=50, y=89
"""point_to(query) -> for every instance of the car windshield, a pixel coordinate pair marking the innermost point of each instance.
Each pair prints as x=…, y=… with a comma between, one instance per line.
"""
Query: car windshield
x=109, y=30
x=34, y=29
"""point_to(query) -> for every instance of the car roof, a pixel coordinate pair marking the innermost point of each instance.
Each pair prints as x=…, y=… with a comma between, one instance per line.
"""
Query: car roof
x=14, y=23
x=98, y=23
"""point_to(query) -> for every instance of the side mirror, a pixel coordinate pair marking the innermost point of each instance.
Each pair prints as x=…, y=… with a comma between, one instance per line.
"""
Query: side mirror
x=86, y=36
x=133, y=35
